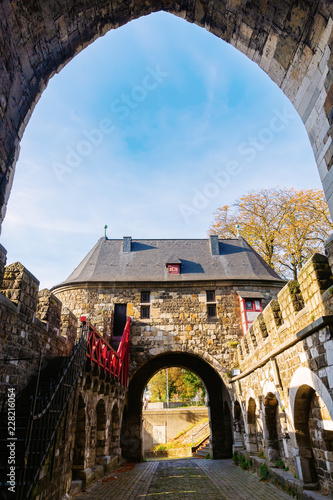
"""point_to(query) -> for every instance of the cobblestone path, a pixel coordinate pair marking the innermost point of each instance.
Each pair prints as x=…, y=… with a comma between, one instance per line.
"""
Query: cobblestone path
x=191, y=479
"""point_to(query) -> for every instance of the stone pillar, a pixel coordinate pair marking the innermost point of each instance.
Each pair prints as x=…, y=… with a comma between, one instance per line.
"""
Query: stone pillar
x=272, y=317
x=21, y=288
x=69, y=325
x=291, y=301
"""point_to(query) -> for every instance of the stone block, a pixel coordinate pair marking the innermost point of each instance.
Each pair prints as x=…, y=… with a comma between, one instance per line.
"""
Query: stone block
x=21, y=287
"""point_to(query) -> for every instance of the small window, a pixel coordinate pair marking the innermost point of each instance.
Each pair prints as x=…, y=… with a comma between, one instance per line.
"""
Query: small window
x=257, y=305
x=211, y=310
x=249, y=305
x=145, y=297
x=145, y=312
x=210, y=296
x=173, y=268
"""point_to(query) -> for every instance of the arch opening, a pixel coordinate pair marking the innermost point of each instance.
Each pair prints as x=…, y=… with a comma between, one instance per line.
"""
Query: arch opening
x=101, y=430
x=80, y=440
x=239, y=429
x=271, y=426
x=305, y=460
x=219, y=418
x=115, y=431
x=175, y=414
x=252, y=433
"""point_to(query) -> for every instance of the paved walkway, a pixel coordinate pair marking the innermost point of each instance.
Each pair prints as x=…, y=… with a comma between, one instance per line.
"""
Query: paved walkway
x=191, y=479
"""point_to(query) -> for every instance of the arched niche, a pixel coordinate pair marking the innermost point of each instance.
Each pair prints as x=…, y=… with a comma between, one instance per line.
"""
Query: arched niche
x=80, y=440
x=101, y=429
x=271, y=427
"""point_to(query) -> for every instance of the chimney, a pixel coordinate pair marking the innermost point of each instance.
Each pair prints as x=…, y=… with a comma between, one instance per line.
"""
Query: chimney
x=214, y=244
x=127, y=243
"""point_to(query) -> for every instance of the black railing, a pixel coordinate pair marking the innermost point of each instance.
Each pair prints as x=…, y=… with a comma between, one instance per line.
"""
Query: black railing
x=47, y=410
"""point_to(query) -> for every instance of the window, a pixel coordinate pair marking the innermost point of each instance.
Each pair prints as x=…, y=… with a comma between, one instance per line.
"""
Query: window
x=211, y=305
x=210, y=294
x=250, y=308
x=211, y=310
x=173, y=268
x=145, y=312
x=145, y=297
x=145, y=309
x=253, y=305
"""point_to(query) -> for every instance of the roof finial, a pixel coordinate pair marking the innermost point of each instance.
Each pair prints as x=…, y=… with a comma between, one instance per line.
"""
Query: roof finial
x=105, y=228
x=237, y=228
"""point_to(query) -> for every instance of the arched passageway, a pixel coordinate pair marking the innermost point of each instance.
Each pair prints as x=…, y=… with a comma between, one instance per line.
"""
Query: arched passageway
x=290, y=41
x=131, y=439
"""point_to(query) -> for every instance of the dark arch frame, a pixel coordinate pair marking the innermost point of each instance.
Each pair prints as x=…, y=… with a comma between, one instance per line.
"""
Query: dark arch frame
x=32, y=25
x=131, y=439
x=302, y=407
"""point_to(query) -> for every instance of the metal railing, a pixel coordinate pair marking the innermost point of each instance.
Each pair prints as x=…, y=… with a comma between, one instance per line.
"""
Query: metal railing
x=102, y=354
x=45, y=418
x=204, y=432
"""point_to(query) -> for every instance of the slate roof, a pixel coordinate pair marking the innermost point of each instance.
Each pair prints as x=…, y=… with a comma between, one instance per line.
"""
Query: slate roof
x=234, y=259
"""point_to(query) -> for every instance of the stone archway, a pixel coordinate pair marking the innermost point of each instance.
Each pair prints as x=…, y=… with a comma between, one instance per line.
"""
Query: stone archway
x=80, y=441
x=271, y=427
x=131, y=438
x=290, y=41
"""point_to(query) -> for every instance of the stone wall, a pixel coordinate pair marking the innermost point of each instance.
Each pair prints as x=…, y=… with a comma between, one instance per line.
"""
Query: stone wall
x=32, y=323
x=178, y=317
x=174, y=420
x=285, y=390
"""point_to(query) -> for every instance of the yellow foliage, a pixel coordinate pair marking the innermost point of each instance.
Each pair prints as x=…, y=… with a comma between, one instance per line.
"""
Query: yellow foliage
x=285, y=226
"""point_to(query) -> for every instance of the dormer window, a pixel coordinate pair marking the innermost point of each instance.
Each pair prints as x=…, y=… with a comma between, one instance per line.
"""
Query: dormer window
x=173, y=268
x=173, y=265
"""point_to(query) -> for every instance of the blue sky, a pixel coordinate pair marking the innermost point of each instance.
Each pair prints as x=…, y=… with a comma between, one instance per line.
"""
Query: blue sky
x=148, y=130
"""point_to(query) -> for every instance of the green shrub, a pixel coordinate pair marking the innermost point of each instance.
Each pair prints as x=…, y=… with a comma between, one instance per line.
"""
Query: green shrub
x=235, y=458
x=207, y=457
x=263, y=472
x=261, y=454
x=280, y=464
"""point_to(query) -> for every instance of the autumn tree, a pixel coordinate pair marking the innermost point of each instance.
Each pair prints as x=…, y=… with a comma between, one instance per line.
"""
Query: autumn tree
x=285, y=226
x=183, y=385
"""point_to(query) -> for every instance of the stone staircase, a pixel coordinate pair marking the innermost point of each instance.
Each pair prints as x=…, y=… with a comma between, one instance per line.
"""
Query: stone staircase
x=203, y=449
